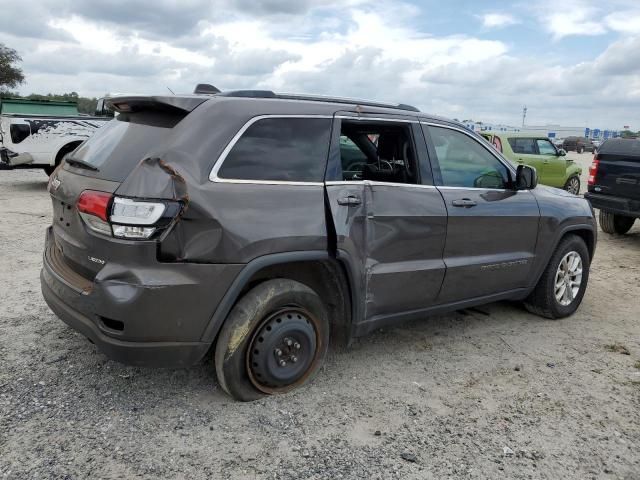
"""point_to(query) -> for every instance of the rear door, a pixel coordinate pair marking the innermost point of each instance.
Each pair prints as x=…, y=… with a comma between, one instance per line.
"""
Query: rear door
x=492, y=228
x=525, y=152
x=388, y=217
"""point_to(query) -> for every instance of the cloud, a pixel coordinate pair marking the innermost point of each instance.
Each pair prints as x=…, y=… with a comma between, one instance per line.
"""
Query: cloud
x=498, y=20
x=381, y=52
x=627, y=21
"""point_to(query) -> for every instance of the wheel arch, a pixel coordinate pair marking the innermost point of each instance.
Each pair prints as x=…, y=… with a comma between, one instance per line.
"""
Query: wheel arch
x=584, y=231
x=66, y=148
x=316, y=269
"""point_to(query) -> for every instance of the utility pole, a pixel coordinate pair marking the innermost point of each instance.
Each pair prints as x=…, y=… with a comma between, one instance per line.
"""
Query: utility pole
x=524, y=114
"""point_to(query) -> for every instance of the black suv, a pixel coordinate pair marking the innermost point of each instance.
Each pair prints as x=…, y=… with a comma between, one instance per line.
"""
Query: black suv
x=614, y=184
x=257, y=224
x=578, y=144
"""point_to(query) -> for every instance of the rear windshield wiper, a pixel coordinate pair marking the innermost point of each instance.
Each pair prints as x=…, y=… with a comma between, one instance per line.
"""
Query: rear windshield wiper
x=80, y=163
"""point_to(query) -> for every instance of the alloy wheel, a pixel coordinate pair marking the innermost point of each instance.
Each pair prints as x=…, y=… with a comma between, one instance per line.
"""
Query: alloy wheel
x=573, y=185
x=568, y=278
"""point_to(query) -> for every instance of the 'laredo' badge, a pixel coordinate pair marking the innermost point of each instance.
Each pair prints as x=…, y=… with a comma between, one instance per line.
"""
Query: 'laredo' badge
x=96, y=260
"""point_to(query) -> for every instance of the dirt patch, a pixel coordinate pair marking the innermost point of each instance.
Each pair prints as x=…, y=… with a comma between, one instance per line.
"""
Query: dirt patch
x=617, y=348
x=496, y=393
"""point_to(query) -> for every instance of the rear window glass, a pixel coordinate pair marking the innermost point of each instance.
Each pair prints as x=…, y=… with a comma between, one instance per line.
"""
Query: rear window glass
x=280, y=149
x=117, y=147
x=620, y=146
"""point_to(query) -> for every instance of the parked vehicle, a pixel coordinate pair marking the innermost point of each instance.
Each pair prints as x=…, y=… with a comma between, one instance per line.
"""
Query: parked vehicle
x=553, y=167
x=259, y=224
x=578, y=144
x=614, y=184
x=39, y=133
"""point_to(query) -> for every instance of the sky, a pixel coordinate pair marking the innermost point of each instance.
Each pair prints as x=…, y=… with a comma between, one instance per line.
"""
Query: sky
x=571, y=62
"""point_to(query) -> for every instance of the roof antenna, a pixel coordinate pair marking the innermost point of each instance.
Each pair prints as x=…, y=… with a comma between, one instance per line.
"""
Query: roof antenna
x=172, y=93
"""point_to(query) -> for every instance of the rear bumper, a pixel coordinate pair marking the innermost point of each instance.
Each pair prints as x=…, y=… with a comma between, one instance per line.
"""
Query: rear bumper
x=148, y=354
x=161, y=310
x=613, y=204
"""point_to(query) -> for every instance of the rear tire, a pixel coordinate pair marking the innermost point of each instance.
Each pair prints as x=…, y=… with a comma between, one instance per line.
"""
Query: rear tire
x=274, y=340
x=581, y=150
x=544, y=301
x=615, y=224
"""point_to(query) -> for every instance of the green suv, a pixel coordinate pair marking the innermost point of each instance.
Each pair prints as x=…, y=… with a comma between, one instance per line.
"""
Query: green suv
x=553, y=167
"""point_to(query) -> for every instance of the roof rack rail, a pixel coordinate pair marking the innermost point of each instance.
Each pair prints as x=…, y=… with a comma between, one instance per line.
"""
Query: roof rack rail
x=315, y=98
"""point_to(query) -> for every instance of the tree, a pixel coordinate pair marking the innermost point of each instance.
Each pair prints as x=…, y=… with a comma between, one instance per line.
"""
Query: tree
x=10, y=75
x=85, y=104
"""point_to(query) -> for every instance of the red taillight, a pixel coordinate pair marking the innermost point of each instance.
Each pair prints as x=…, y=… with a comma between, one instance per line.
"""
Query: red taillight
x=95, y=203
x=593, y=170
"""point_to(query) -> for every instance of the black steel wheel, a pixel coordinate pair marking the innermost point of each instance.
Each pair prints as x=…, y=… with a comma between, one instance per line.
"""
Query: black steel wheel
x=282, y=351
x=274, y=340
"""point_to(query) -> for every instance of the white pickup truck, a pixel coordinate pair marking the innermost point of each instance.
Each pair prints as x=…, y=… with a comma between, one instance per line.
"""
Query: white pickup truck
x=38, y=134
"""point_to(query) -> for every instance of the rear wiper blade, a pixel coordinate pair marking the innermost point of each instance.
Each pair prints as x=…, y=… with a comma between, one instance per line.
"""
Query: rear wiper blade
x=81, y=163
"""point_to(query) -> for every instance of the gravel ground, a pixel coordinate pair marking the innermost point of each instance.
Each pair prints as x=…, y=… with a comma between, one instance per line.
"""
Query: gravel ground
x=489, y=393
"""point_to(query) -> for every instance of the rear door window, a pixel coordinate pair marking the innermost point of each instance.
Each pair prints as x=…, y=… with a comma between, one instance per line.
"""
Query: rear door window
x=280, y=149
x=378, y=151
x=523, y=145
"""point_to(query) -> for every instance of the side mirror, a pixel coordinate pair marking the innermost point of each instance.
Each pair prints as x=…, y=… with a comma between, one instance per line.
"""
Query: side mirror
x=562, y=152
x=526, y=177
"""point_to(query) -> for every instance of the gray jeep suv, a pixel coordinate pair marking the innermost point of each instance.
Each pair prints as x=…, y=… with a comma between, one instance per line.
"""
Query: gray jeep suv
x=256, y=224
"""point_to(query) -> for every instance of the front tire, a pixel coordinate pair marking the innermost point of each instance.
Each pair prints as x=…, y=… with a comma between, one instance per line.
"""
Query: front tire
x=561, y=287
x=615, y=224
x=274, y=340
x=573, y=185
x=581, y=150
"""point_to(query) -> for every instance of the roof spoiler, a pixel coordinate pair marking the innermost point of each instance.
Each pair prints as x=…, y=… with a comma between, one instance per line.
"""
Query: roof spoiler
x=169, y=104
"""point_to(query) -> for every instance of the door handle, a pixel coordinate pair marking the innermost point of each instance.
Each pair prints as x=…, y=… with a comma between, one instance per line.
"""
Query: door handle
x=464, y=202
x=520, y=160
x=350, y=201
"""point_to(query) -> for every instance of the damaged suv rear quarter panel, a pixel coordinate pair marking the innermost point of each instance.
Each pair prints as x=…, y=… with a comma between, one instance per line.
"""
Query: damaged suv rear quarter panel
x=222, y=227
x=223, y=221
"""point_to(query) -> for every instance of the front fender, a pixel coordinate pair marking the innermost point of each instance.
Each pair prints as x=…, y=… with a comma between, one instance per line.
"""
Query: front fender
x=573, y=170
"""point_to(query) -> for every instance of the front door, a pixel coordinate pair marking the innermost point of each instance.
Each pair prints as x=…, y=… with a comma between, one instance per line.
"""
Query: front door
x=389, y=219
x=492, y=228
x=554, y=167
